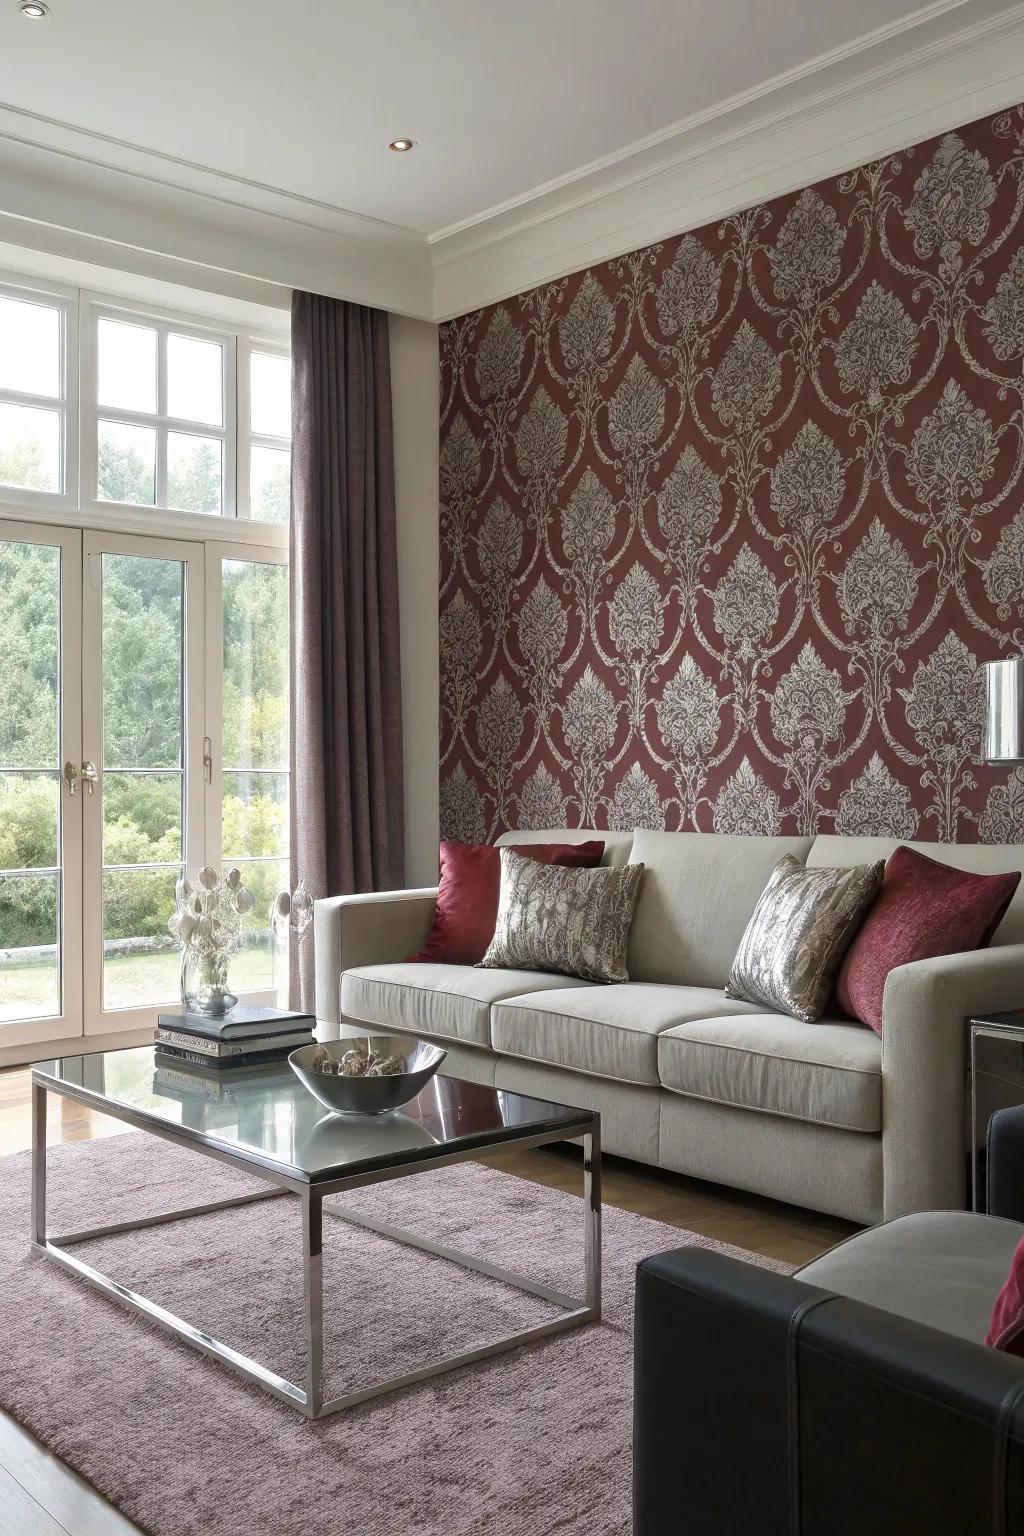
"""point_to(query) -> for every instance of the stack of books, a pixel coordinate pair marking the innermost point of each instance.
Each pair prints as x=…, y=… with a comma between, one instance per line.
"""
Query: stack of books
x=245, y=1037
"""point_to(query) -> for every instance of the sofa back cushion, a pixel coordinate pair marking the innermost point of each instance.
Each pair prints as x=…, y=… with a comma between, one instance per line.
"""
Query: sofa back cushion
x=696, y=899
x=616, y=844
x=979, y=858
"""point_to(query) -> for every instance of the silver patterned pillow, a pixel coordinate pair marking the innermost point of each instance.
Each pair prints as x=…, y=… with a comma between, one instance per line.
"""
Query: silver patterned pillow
x=554, y=918
x=803, y=924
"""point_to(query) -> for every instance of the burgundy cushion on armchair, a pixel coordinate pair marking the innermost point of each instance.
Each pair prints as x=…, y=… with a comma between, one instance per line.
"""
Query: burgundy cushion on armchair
x=1006, y=1330
x=467, y=895
x=923, y=909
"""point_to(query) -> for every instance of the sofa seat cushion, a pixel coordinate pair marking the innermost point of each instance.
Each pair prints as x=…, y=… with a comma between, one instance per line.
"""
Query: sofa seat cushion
x=943, y=1268
x=449, y=1002
x=829, y=1072
x=605, y=1031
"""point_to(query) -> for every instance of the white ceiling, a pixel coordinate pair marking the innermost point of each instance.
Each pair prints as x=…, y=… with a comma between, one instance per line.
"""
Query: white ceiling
x=502, y=96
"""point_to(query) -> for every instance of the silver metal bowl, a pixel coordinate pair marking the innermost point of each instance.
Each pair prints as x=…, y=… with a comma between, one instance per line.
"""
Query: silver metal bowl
x=367, y=1095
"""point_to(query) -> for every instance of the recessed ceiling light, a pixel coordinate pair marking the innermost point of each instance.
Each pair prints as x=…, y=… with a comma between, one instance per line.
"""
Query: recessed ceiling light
x=401, y=146
x=35, y=10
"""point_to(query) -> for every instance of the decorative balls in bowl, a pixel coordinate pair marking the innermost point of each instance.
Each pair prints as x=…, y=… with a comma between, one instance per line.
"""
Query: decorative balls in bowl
x=366, y=1074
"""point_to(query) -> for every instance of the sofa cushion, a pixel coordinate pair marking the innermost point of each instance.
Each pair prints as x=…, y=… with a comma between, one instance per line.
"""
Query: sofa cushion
x=467, y=895
x=605, y=1031
x=925, y=908
x=943, y=1268
x=616, y=844
x=449, y=1002
x=696, y=900
x=829, y=1073
x=979, y=858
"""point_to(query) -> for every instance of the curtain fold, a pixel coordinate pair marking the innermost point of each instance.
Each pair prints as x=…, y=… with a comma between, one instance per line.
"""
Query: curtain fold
x=346, y=814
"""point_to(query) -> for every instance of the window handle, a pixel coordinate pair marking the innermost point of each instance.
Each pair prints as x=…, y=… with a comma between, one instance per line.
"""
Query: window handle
x=208, y=759
x=90, y=777
x=71, y=777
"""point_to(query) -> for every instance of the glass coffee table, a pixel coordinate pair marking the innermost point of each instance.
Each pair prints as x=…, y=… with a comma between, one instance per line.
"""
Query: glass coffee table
x=266, y=1124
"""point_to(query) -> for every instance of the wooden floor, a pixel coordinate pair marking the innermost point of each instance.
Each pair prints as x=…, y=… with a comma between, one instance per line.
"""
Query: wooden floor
x=39, y=1496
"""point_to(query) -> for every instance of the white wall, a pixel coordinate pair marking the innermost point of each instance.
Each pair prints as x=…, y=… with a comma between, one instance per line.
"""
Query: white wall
x=414, y=385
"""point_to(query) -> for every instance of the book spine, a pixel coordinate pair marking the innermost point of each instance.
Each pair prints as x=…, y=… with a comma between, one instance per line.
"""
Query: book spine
x=197, y=1058
x=217, y=1030
x=228, y=1049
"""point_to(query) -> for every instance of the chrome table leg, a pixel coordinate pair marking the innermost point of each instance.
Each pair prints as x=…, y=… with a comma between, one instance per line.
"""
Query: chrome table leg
x=38, y=1165
x=313, y=1303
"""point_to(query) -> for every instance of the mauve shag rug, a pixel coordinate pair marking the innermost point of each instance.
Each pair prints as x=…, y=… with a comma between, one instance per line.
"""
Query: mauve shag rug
x=532, y=1442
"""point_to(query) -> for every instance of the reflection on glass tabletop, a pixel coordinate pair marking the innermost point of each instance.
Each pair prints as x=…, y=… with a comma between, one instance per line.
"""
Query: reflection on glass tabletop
x=264, y=1115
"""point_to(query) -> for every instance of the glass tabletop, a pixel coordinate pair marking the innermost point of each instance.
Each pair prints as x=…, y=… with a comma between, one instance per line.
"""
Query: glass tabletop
x=264, y=1115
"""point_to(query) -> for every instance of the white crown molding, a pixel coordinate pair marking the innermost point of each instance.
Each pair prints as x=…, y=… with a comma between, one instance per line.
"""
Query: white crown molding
x=92, y=198
x=201, y=219
x=890, y=90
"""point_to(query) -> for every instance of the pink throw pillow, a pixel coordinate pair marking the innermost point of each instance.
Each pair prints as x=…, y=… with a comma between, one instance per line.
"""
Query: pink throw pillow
x=1006, y=1330
x=467, y=895
x=923, y=909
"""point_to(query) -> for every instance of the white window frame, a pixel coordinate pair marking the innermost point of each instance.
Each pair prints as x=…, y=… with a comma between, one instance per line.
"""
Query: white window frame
x=31, y=291
x=165, y=323
x=248, y=343
x=216, y=555
x=77, y=506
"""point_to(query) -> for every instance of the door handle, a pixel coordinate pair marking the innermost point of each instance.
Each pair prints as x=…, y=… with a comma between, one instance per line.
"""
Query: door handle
x=90, y=777
x=71, y=777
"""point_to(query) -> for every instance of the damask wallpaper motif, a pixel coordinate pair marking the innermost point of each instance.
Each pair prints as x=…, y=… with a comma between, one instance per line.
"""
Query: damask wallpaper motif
x=728, y=524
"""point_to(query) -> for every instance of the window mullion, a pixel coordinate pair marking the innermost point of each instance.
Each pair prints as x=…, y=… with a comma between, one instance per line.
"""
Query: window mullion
x=161, y=406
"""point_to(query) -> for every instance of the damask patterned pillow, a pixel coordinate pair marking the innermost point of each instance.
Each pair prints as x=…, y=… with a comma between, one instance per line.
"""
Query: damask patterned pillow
x=803, y=924
x=551, y=918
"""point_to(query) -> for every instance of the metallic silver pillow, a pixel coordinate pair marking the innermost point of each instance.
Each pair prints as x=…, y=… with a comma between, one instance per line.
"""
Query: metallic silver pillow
x=553, y=918
x=803, y=924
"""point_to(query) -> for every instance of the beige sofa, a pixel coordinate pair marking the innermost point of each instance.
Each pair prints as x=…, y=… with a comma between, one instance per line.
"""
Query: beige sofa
x=825, y=1115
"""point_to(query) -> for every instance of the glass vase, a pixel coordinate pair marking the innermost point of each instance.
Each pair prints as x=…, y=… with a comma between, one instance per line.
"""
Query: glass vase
x=204, y=984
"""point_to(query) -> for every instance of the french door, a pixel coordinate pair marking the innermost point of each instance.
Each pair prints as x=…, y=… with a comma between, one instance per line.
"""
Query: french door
x=40, y=825
x=142, y=733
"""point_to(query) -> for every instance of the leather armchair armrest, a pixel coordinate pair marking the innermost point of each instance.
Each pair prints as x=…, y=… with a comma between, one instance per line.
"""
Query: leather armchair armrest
x=766, y=1404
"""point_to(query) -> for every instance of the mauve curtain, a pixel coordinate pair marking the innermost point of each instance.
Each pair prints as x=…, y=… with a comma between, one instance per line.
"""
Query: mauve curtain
x=347, y=829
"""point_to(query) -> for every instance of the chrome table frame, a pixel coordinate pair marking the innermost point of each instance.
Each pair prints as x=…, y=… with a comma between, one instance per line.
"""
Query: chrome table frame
x=309, y=1398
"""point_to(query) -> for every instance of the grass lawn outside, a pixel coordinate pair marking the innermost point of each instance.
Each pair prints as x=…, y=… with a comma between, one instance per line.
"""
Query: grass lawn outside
x=129, y=981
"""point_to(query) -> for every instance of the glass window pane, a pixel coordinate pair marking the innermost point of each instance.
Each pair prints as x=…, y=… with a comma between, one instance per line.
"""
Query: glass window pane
x=30, y=644
x=270, y=395
x=195, y=374
x=29, y=812
x=29, y=347
x=253, y=968
x=255, y=815
x=29, y=447
x=194, y=473
x=143, y=633
x=126, y=367
x=30, y=953
x=270, y=484
x=126, y=463
x=255, y=688
x=141, y=818
x=141, y=963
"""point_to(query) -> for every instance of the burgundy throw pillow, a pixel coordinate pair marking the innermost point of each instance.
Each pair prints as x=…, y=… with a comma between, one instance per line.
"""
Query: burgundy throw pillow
x=923, y=909
x=1006, y=1330
x=467, y=895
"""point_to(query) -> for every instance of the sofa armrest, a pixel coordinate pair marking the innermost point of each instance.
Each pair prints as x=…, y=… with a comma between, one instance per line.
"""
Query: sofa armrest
x=924, y=1070
x=372, y=929
x=765, y=1404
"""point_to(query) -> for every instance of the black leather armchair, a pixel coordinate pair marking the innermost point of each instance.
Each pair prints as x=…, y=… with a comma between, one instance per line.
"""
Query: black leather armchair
x=768, y=1406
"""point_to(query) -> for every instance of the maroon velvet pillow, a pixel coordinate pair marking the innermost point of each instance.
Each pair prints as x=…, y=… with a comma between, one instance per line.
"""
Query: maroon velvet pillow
x=1006, y=1330
x=467, y=895
x=923, y=909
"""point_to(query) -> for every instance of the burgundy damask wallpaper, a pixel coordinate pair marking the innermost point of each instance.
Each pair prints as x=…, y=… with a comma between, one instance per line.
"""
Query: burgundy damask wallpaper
x=729, y=523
